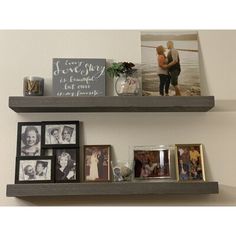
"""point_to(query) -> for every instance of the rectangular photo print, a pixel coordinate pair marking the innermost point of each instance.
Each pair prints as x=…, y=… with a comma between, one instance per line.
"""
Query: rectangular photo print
x=170, y=63
x=97, y=162
x=151, y=163
x=189, y=162
x=66, y=165
x=29, y=139
x=60, y=134
x=34, y=170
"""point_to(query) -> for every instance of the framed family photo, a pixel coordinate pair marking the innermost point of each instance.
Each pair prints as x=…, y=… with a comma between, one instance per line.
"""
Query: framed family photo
x=152, y=162
x=34, y=170
x=60, y=134
x=97, y=159
x=29, y=139
x=66, y=165
x=189, y=162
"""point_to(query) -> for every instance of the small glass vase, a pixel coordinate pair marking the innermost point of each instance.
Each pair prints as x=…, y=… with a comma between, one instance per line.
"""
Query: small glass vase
x=127, y=85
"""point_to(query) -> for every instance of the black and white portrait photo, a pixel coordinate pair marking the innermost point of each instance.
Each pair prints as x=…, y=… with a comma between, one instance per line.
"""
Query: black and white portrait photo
x=34, y=170
x=29, y=139
x=60, y=134
x=66, y=165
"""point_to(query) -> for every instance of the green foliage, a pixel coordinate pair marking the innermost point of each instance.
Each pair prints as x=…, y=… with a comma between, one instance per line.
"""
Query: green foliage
x=121, y=67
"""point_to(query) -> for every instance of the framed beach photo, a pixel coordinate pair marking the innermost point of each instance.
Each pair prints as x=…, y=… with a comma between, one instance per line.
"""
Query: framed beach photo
x=60, y=134
x=66, y=165
x=34, y=170
x=151, y=162
x=29, y=139
x=97, y=162
x=190, y=162
x=170, y=63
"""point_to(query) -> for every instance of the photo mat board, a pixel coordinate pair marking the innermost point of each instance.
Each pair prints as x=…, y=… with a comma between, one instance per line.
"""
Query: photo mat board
x=79, y=76
x=186, y=44
x=97, y=163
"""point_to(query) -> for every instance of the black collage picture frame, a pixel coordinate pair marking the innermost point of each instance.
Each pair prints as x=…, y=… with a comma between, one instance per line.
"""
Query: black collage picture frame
x=39, y=143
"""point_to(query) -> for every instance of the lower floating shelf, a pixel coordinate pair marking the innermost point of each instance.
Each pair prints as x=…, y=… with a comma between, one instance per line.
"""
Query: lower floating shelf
x=113, y=188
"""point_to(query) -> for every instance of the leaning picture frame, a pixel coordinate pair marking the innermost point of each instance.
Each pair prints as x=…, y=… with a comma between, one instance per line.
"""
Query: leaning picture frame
x=30, y=170
x=60, y=134
x=97, y=163
x=29, y=139
x=152, y=162
x=190, y=162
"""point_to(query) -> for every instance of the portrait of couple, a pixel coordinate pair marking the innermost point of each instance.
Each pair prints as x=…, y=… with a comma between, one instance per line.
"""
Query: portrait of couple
x=170, y=63
x=97, y=163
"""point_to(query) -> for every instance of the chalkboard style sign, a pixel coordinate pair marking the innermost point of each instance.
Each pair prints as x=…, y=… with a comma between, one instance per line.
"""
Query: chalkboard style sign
x=78, y=77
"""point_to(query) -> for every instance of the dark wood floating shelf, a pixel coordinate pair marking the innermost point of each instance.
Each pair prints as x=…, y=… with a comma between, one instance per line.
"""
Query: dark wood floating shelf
x=118, y=188
x=112, y=104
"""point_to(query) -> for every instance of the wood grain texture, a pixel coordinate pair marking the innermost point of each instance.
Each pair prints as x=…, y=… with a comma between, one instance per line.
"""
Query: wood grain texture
x=112, y=104
x=126, y=188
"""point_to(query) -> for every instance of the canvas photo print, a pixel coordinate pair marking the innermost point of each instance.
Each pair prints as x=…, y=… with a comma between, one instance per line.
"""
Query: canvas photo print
x=60, y=133
x=29, y=139
x=97, y=162
x=190, y=165
x=67, y=166
x=152, y=163
x=170, y=63
x=34, y=170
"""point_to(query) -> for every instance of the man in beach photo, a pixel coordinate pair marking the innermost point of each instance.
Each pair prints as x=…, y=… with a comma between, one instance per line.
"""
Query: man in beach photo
x=180, y=50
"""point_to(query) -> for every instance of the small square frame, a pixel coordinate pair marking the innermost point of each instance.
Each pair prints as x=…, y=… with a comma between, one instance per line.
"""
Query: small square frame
x=188, y=166
x=48, y=140
x=36, y=179
x=101, y=168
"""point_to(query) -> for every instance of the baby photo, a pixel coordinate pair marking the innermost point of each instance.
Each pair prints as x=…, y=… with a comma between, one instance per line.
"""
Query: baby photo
x=29, y=139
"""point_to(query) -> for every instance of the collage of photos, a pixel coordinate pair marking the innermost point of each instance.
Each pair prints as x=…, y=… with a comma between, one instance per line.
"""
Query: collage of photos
x=47, y=152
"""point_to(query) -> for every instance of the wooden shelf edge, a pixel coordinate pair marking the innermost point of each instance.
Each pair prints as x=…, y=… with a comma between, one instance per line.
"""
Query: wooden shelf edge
x=112, y=104
x=127, y=188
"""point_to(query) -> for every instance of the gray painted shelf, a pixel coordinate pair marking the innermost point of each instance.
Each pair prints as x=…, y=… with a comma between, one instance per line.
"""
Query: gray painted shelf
x=112, y=188
x=112, y=104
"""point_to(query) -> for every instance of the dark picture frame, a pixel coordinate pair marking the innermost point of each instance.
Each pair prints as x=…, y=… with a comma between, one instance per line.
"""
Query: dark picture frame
x=190, y=162
x=60, y=134
x=152, y=163
x=30, y=170
x=67, y=165
x=29, y=139
x=97, y=163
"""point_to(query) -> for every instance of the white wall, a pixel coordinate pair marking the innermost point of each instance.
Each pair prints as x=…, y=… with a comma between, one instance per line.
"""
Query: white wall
x=30, y=53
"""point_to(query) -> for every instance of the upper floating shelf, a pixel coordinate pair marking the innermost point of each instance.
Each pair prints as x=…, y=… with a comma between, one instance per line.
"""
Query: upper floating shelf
x=112, y=104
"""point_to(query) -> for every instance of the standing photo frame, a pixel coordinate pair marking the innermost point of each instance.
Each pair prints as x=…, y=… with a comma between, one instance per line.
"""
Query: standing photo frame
x=34, y=170
x=152, y=163
x=97, y=163
x=29, y=139
x=60, y=134
x=190, y=162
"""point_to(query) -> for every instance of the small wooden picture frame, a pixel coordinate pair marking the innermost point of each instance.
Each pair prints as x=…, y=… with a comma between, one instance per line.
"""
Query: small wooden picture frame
x=60, y=134
x=97, y=163
x=34, y=170
x=190, y=162
x=29, y=136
